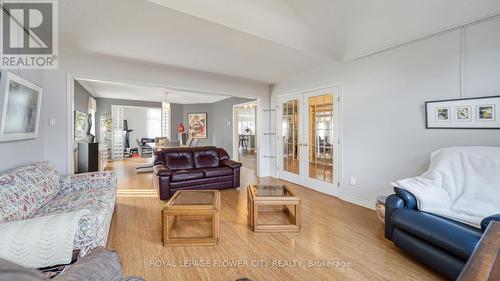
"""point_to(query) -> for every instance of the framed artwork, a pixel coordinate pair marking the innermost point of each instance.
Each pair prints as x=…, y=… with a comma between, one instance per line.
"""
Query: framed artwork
x=463, y=113
x=20, y=106
x=467, y=113
x=197, y=123
x=81, y=123
x=486, y=112
x=443, y=114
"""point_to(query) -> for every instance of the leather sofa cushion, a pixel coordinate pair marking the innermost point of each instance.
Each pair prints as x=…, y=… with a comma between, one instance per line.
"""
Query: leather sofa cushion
x=206, y=156
x=218, y=171
x=452, y=236
x=443, y=262
x=196, y=182
x=178, y=158
x=185, y=175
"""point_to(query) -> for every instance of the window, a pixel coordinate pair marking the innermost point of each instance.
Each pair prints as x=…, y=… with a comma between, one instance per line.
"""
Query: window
x=154, y=122
x=165, y=119
x=246, y=128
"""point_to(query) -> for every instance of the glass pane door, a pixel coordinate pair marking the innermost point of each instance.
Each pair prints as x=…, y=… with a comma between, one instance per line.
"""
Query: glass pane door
x=321, y=137
x=118, y=140
x=309, y=143
x=290, y=135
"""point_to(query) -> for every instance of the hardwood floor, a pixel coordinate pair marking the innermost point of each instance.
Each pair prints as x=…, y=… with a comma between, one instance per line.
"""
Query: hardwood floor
x=332, y=230
x=248, y=158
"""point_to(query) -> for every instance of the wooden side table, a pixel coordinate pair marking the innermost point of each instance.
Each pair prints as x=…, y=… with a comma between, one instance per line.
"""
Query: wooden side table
x=260, y=197
x=191, y=205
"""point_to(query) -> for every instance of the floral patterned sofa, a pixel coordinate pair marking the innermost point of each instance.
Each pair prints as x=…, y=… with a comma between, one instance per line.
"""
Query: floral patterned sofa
x=37, y=190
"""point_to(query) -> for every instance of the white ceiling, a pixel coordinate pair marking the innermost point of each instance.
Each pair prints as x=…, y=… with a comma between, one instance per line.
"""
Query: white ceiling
x=263, y=40
x=112, y=90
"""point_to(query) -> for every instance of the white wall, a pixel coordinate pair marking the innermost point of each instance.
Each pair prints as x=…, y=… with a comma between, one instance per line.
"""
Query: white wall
x=137, y=120
x=383, y=103
x=121, y=70
x=26, y=151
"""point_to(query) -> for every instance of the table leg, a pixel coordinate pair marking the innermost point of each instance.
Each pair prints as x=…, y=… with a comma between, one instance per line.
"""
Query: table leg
x=298, y=214
x=255, y=213
x=166, y=229
x=215, y=227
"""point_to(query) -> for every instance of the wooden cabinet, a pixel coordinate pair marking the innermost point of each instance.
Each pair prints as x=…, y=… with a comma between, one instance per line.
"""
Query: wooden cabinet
x=92, y=157
x=88, y=157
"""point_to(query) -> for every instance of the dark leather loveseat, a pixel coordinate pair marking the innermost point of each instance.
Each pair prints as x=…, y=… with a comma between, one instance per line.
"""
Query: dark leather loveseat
x=442, y=244
x=181, y=168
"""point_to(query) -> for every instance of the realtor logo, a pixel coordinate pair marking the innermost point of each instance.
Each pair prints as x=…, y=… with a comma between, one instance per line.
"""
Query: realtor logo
x=29, y=34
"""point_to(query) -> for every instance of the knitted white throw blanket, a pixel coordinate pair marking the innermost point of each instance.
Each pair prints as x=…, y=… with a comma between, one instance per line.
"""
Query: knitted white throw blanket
x=40, y=242
x=462, y=183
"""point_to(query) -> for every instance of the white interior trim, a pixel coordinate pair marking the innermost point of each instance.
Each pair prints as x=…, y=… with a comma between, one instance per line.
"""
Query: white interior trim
x=463, y=61
x=235, y=128
x=428, y=36
x=70, y=105
x=87, y=87
x=340, y=128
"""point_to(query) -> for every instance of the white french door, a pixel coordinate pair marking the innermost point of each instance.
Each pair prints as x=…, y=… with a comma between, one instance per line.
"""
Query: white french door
x=290, y=150
x=308, y=144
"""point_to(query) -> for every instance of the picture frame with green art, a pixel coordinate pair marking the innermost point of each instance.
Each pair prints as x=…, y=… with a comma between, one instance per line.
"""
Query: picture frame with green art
x=464, y=113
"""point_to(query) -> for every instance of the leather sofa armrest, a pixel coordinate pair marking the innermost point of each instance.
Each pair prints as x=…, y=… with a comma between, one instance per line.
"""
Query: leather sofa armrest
x=231, y=164
x=223, y=154
x=392, y=203
x=162, y=171
x=486, y=221
x=408, y=198
x=158, y=157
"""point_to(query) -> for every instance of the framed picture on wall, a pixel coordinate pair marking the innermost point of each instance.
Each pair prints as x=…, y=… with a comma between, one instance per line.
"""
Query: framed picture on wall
x=443, y=114
x=197, y=123
x=467, y=113
x=463, y=113
x=81, y=123
x=486, y=112
x=20, y=107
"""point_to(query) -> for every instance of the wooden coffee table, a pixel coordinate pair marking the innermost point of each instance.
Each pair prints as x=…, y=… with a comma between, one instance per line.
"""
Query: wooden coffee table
x=191, y=205
x=263, y=198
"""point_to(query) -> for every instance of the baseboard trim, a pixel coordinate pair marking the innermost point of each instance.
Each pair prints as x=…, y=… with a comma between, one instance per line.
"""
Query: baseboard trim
x=361, y=202
x=369, y=204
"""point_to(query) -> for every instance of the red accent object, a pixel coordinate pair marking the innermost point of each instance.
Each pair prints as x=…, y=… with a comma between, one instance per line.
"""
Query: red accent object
x=181, y=128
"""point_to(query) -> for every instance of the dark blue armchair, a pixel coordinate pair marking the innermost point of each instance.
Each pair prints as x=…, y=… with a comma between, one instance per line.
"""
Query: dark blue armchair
x=442, y=244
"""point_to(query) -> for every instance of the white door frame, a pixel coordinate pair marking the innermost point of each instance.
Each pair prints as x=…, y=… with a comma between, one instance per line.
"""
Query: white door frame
x=335, y=188
x=235, y=129
x=70, y=87
x=282, y=174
